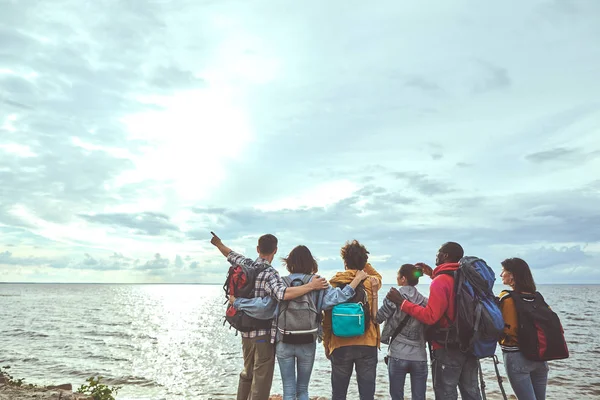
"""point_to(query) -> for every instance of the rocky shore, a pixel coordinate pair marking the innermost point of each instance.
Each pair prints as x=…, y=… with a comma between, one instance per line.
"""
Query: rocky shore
x=62, y=392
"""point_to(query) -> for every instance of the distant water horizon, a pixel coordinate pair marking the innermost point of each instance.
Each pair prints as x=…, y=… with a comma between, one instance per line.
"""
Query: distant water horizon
x=221, y=284
x=168, y=341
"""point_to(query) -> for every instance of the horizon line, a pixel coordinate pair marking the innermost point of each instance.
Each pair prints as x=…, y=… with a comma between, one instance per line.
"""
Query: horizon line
x=212, y=283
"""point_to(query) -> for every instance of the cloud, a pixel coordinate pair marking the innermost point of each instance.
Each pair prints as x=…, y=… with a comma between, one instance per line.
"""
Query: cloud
x=7, y=258
x=423, y=183
x=562, y=154
x=87, y=262
x=131, y=130
x=145, y=223
x=178, y=261
x=385, y=225
x=173, y=78
x=423, y=84
x=495, y=78
x=550, y=257
x=157, y=263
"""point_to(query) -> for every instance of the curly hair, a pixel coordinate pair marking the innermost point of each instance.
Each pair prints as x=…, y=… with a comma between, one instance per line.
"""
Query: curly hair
x=355, y=255
x=300, y=260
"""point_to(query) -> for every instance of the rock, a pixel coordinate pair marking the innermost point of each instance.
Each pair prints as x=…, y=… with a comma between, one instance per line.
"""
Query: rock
x=38, y=393
x=66, y=386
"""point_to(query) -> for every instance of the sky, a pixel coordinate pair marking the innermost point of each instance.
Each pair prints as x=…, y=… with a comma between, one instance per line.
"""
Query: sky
x=131, y=129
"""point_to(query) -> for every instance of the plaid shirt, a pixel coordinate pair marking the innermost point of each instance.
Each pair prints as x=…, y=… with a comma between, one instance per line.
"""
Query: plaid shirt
x=268, y=283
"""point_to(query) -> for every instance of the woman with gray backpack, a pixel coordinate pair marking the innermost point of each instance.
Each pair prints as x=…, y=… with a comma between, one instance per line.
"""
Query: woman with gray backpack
x=405, y=337
x=298, y=321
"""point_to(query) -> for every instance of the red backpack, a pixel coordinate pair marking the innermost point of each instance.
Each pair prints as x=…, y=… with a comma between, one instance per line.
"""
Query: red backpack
x=240, y=282
x=541, y=335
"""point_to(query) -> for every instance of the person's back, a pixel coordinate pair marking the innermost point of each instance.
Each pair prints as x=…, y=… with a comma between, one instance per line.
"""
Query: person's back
x=527, y=372
x=298, y=321
x=257, y=345
x=346, y=353
x=405, y=337
x=451, y=368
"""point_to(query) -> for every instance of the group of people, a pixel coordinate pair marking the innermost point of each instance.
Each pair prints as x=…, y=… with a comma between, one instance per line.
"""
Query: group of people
x=407, y=315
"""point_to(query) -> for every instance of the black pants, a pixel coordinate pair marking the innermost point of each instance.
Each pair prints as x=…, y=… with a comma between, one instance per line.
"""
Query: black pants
x=451, y=368
x=343, y=361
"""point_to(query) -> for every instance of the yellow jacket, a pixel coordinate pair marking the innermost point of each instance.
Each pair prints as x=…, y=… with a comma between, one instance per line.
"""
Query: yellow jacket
x=509, y=341
x=372, y=334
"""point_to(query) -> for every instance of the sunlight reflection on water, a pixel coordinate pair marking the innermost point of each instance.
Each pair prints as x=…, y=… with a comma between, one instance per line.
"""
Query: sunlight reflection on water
x=169, y=342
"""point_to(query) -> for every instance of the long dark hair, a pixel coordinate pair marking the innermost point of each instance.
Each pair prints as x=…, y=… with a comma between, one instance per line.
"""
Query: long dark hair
x=301, y=261
x=521, y=274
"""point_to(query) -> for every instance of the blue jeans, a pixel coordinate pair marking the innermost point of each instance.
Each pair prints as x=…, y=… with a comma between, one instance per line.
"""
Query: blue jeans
x=343, y=361
x=397, y=370
x=288, y=356
x=527, y=378
x=451, y=368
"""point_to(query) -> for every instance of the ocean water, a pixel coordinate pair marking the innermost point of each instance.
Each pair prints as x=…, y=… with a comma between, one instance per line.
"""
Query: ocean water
x=169, y=342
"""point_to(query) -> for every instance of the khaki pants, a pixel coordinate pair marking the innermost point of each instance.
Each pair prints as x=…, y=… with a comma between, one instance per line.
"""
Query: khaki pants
x=259, y=363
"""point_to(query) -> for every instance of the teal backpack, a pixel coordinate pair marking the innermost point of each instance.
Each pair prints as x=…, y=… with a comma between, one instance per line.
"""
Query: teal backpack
x=352, y=318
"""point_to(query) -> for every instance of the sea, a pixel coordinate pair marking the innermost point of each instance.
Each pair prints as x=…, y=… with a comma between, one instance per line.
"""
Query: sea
x=169, y=341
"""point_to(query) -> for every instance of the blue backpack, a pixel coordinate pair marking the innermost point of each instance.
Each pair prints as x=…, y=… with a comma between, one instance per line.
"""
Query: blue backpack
x=478, y=322
x=350, y=319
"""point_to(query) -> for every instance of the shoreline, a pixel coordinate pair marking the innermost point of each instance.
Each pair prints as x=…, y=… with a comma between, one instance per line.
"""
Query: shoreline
x=11, y=391
x=65, y=392
x=61, y=392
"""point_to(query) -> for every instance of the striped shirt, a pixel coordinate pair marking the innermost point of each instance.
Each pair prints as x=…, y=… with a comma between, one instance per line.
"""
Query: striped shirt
x=268, y=283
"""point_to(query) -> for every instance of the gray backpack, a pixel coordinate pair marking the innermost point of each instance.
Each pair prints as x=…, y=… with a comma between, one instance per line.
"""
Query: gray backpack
x=298, y=320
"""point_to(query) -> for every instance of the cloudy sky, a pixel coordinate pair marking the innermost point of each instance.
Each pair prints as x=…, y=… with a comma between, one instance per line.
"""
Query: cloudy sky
x=131, y=129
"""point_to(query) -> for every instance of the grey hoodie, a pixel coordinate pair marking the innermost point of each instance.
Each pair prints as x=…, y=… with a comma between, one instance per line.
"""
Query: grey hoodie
x=410, y=343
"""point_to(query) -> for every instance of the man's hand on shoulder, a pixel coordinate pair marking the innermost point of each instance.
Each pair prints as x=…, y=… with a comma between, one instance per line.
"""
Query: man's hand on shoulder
x=395, y=297
x=318, y=283
x=374, y=284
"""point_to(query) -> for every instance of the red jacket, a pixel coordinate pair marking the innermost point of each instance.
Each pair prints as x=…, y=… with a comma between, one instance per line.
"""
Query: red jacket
x=440, y=303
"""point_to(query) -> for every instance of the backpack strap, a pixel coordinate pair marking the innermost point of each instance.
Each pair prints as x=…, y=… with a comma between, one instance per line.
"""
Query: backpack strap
x=505, y=295
x=401, y=326
x=539, y=295
x=287, y=280
x=307, y=278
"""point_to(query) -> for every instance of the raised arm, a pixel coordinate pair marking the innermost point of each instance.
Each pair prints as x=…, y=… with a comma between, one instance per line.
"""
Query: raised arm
x=239, y=259
x=216, y=241
x=233, y=257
